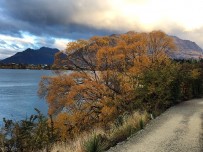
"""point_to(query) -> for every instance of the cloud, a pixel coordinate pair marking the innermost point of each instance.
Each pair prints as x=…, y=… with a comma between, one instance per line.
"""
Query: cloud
x=54, y=22
x=10, y=45
x=62, y=18
x=2, y=42
x=84, y=18
x=4, y=53
x=194, y=35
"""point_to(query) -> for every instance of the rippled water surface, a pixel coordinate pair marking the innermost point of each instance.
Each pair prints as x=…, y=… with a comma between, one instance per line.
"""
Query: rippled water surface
x=18, y=93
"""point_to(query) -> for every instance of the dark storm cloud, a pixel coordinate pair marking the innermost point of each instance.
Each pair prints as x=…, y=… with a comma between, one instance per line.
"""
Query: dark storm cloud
x=55, y=18
x=75, y=19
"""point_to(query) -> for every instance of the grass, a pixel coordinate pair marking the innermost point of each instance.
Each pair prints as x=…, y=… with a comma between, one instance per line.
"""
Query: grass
x=98, y=140
x=67, y=147
x=131, y=125
x=94, y=144
x=141, y=123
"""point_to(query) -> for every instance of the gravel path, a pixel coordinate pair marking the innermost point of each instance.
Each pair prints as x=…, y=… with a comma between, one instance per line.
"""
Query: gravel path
x=179, y=129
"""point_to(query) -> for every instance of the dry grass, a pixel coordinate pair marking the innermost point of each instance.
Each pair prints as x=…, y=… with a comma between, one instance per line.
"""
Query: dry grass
x=130, y=125
x=78, y=144
x=64, y=147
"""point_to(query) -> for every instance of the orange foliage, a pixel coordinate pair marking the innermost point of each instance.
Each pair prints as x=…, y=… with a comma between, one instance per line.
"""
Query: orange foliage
x=108, y=88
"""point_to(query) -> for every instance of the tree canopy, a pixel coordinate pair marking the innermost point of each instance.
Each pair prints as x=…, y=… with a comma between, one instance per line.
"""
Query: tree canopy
x=114, y=75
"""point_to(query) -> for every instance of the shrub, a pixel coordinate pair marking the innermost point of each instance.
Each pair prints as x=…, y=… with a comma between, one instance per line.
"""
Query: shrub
x=141, y=124
x=31, y=134
x=94, y=144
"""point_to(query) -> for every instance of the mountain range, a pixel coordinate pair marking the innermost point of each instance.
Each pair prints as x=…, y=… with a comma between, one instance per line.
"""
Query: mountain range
x=186, y=49
x=44, y=55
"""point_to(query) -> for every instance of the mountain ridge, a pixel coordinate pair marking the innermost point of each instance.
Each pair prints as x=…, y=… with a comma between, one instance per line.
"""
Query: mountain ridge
x=43, y=55
x=186, y=49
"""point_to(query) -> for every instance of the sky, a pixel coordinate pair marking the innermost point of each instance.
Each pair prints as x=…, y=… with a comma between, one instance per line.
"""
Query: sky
x=53, y=23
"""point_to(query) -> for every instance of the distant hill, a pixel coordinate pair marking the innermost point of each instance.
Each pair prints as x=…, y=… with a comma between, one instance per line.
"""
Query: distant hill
x=44, y=55
x=186, y=49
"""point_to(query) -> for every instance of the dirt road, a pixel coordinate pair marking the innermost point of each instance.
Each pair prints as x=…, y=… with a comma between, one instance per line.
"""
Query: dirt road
x=179, y=129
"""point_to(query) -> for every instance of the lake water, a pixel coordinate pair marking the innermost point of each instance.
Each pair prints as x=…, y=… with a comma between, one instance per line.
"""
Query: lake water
x=18, y=93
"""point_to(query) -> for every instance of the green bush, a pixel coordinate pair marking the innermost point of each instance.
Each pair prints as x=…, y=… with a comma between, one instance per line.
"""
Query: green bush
x=31, y=134
x=94, y=144
x=141, y=123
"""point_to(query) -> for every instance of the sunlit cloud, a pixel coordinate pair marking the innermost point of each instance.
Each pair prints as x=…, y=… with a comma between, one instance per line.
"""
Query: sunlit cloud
x=151, y=14
x=37, y=23
x=61, y=43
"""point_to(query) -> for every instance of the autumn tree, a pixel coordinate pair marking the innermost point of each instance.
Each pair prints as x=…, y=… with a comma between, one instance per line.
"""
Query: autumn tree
x=114, y=75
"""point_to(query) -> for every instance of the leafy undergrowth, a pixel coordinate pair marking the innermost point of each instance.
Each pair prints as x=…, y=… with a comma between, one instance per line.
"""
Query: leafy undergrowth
x=99, y=140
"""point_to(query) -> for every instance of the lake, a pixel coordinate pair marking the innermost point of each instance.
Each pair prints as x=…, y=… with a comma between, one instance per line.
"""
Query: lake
x=18, y=93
